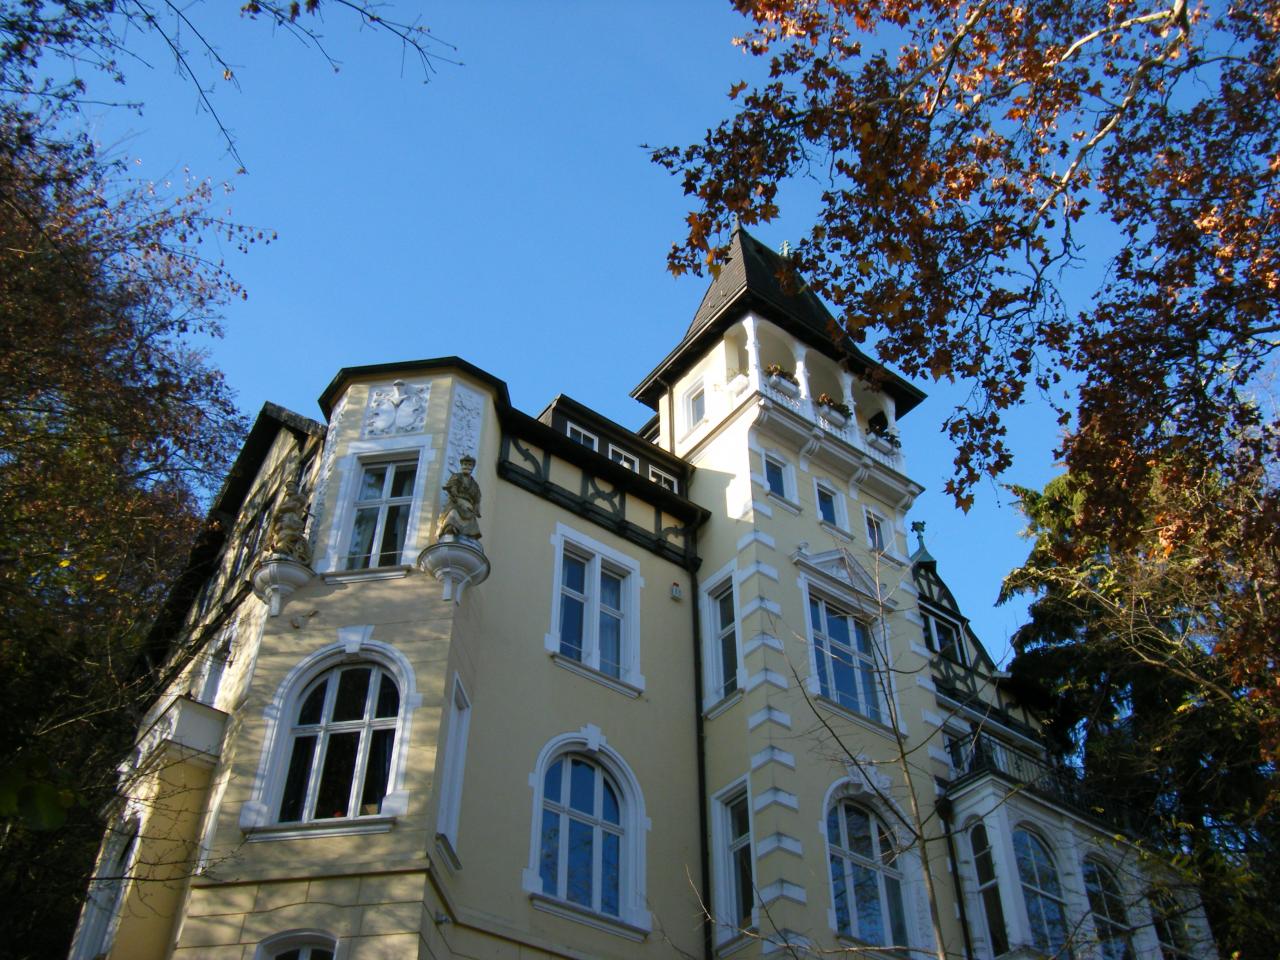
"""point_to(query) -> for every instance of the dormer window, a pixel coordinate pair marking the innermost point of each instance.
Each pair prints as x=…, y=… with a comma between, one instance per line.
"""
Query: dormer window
x=664, y=480
x=624, y=458
x=578, y=435
x=943, y=636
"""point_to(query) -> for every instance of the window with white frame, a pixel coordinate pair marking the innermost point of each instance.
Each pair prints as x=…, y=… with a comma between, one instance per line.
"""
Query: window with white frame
x=578, y=435
x=308, y=951
x=775, y=476
x=1106, y=908
x=302, y=945
x=866, y=880
x=1170, y=922
x=340, y=744
x=663, y=479
x=695, y=406
x=107, y=893
x=830, y=505
x=877, y=535
x=455, y=759
x=587, y=847
x=596, y=608
x=943, y=636
x=581, y=835
x=1041, y=893
x=624, y=458
x=721, y=628
x=988, y=890
x=734, y=866
x=215, y=665
x=845, y=659
x=380, y=519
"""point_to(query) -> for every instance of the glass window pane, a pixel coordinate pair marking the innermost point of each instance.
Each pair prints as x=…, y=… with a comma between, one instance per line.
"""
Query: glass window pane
x=388, y=698
x=774, y=478
x=610, y=873
x=826, y=506
x=840, y=895
x=293, y=954
x=295, y=781
x=371, y=482
x=994, y=911
x=744, y=884
x=838, y=628
x=815, y=615
x=725, y=604
x=582, y=787
x=846, y=692
x=551, y=782
x=402, y=482
x=377, y=771
x=610, y=814
x=319, y=953
x=393, y=534
x=362, y=538
x=866, y=897
x=313, y=706
x=353, y=692
x=336, y=776
x=863, y=636
x=549, y=857
x=571, y=619
x=574, y=573
x=859, y=827
x=581, y=855
x=610, y=644
x=739, y=818
x=729, y=662
x=611, y=590
x=897, y=919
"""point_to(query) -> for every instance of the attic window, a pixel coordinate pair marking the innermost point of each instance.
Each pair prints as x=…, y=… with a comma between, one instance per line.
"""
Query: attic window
x=578, y=435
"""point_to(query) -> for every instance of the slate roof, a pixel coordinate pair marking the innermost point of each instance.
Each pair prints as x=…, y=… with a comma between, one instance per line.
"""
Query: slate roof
x=751, y=279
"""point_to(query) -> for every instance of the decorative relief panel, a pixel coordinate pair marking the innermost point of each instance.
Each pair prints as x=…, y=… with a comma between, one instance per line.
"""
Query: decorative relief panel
x=466, y=423
x=327, y=459
x=396, y=409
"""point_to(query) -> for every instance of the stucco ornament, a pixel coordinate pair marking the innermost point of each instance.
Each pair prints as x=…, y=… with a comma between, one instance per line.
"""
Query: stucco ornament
x=399, y=408
x=462, y=503
x=288, y=527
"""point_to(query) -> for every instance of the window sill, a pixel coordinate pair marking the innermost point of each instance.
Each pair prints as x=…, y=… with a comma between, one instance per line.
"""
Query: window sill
x=890, y=558
x=854, y=945
x=861, y=719
x=722, y=705
x=591, y=673
x=571, y=911
x=445, y=846
x=840, y=533
x=736, y=940
x=789, y=505
x=337, y=827
x=371, y=573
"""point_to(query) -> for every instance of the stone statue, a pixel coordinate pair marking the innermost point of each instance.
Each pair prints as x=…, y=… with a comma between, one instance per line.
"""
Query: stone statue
x=462, y=508
x=288, y=525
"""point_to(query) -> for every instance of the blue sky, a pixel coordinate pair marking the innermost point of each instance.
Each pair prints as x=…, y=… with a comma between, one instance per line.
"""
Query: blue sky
x=504, y=212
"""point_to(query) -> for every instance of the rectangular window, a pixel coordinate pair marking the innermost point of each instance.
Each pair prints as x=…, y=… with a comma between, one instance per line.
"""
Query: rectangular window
x=844, y=658
x=578, y=435
x=827, y=506
x=775, y=477
x=624, y=458
x=875, y=533
x=736, y=898
x=723, y=659
x=662, y=479
x=696, y=407
x=942, y=636
x=454, y=763
x=595, y=620
x=384, y=499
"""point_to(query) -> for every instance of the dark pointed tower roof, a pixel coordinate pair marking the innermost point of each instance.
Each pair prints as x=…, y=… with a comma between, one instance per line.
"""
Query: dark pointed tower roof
x=752, y=279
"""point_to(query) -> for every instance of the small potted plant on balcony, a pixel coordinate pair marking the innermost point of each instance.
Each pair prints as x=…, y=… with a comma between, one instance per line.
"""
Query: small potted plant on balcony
x=782, y=380
x=834, y=411
x=881, y=435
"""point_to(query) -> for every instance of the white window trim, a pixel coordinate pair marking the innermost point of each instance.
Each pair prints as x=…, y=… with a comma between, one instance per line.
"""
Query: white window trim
x=634, y=917
x=349, y=468
x=841, y=523
x=788, y=496
x=301, y=937
x=1066, y=883
x=632, y=584
x=629, y=460
x=454, y=767
x=866, y=787
x=657, y=476
x=712, y=682
x=886, y=532
x=595, y=440
x=929, y=616
x=878, y=625
x=686, y=405
x=258, y=813
x=723, y=875
x=216, y=660
x=104, y=906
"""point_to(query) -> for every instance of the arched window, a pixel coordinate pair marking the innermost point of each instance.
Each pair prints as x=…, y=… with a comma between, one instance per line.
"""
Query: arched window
x=988, y=890
x=1041, y=892
x=1106, y=905
x=1170, y=923
x=299, y=945
x=866, y=880
x=581, y=842
x=341, y=740
x=307, y=952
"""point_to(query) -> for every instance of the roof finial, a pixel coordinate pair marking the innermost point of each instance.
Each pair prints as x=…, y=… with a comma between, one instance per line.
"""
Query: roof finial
x=917, y=527
x=785, y=249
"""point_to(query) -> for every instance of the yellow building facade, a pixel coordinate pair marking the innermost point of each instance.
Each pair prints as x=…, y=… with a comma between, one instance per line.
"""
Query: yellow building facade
x=686, y=691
